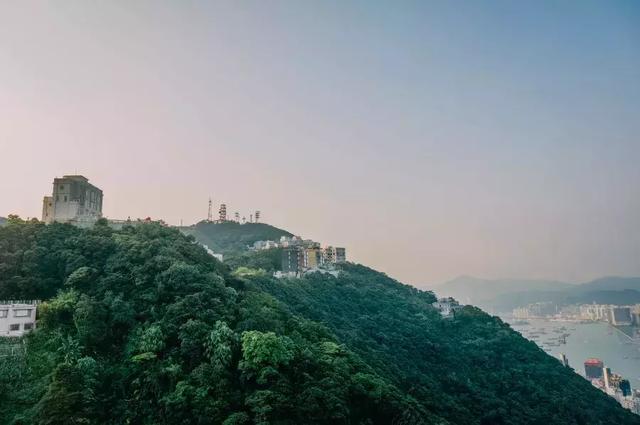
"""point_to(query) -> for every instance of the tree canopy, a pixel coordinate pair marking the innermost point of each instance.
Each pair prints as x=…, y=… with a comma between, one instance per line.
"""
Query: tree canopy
x=142, y=326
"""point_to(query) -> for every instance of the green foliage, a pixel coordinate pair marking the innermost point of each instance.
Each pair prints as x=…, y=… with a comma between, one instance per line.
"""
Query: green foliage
x=473, y=369
x=231, y=238
x=268, y=260
x=141, y=326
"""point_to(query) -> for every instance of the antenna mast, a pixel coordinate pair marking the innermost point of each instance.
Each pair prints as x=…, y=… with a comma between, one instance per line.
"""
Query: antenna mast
x=210, y=214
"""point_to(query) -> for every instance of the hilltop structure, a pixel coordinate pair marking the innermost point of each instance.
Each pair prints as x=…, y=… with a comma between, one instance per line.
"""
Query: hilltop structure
x=73, y=200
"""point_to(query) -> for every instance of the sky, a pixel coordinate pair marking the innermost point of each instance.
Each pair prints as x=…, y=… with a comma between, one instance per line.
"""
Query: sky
x=431, y=139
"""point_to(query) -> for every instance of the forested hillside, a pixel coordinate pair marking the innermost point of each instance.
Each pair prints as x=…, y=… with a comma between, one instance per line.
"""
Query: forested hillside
x=231, y=237
x=141, y=326
x=474, y=369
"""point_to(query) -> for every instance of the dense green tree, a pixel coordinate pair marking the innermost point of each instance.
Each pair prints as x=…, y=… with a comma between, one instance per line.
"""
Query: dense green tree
x=141, y=326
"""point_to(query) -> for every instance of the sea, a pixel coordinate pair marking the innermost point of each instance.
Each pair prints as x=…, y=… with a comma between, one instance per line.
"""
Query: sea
x=584, y=340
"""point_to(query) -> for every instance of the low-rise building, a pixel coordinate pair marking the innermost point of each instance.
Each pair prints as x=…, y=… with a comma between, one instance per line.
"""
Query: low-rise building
x=218, y=257
x=259, y=245
x=17, y=317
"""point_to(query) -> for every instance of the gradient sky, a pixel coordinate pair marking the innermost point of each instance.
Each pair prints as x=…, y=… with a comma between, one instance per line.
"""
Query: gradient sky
x=432, y=139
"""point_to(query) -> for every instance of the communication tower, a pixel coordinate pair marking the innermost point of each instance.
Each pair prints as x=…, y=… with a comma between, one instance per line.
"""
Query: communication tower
x=210, y=214
x=222, y=213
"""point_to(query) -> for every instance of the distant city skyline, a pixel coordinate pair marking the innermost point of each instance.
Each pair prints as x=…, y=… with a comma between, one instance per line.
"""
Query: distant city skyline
x=431, y=139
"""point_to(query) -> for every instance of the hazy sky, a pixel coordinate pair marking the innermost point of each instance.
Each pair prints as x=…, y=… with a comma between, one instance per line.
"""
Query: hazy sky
x=432, y=139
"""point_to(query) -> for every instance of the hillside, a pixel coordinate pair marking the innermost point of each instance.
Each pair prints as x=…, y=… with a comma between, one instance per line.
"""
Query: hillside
x=231, y=237
x=141, y=326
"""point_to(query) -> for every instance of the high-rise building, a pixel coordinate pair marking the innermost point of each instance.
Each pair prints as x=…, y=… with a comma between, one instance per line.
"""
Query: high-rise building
x=292, y=260
x=340, y=255
x=334, y=255
x=593, y=368
x=312, y=257
x=620, y=316
x=73, y=200
x=625, y=387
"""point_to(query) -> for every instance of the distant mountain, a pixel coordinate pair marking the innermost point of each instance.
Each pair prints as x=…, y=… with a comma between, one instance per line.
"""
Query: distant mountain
x=231, y=237
x=504, y=295
x=481, y=292
x=3, y=221
x=610, y=284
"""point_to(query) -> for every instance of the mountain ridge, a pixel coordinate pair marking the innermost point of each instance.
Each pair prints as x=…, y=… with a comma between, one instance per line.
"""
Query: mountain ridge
x=505, y=294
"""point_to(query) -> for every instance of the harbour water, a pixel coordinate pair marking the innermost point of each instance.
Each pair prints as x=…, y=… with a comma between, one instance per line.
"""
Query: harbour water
x=583, y=341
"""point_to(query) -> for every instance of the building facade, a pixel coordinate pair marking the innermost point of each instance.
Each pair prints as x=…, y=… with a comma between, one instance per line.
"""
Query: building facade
x=593, y=368
x=17, y=317
x=73, y=200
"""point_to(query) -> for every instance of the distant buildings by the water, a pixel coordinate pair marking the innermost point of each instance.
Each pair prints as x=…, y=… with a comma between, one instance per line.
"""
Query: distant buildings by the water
x=616, y=315
x=613, y=384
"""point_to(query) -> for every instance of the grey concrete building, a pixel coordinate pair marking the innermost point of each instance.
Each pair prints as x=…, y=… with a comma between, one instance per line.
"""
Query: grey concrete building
x=73, y=200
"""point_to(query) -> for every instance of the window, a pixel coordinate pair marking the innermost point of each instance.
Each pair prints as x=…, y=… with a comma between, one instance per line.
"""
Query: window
x=4, y=313
x=14, y=327
x=61, y=187
x=28, y=326
x=65, y=198
x=22, y=313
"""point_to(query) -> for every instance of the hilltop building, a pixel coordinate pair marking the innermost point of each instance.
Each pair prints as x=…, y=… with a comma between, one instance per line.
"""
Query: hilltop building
x=17, y=317
x=73, y=200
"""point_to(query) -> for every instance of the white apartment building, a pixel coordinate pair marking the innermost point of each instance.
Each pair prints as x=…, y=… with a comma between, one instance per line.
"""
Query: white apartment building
x=17, y=317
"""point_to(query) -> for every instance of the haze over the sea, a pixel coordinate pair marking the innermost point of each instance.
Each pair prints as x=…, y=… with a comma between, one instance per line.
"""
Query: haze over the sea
x=427, y=150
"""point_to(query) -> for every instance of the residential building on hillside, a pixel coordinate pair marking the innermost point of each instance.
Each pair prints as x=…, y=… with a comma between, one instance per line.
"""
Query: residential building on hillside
x=292, y=260
x=312, y=257
x=73, y=200
x=17, y=317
